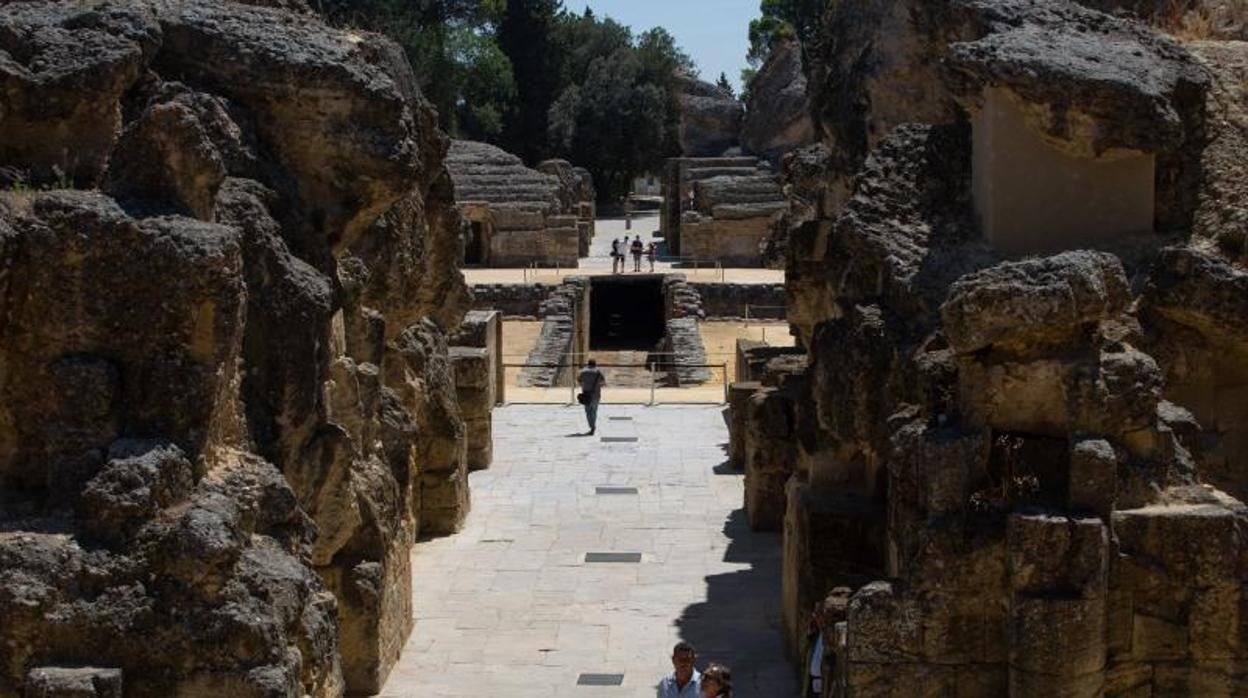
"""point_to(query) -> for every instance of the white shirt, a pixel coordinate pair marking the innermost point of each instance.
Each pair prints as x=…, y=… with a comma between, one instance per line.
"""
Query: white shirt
x=667, y=687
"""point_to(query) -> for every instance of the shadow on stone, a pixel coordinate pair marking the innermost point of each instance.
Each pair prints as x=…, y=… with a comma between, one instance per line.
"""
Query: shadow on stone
x=739, y=623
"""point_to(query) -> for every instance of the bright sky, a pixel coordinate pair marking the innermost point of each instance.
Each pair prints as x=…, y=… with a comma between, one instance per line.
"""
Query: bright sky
x=714, y=32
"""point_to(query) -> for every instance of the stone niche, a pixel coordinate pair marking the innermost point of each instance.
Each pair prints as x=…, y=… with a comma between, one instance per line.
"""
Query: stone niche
x=478, y=232
x=1033, y=197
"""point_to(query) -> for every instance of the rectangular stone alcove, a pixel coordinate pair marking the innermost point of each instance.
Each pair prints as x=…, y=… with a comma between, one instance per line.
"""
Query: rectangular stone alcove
x=1034, y=198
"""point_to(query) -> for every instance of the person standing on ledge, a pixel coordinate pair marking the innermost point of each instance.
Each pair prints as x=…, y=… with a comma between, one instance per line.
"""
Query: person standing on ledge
x=592, y=381
x=617, y=259
x=685, y=681
x=637, y=248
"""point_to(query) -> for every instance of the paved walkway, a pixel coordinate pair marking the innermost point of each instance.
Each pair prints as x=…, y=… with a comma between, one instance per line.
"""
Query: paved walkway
x=510, y=607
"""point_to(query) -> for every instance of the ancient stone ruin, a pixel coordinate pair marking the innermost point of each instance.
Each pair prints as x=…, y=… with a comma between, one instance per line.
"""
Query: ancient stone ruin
x=227, y=408
x=1014, y=462
x=777, y=117
x=722, y=199
x=577, y=196
x=515, y=216
x=654, y=314
x=710, y=119
x=720, y=209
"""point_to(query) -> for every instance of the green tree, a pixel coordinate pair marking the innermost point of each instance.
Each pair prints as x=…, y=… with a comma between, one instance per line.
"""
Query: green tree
x=723, y=84
x=447, y=45
x=613, y=124
x=526, y=36
x=780, y=20
x=485, y=88
x=583, y=38
x=661, y=57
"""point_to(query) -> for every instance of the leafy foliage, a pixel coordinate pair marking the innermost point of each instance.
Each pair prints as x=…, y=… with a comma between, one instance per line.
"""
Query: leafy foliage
x=610, y=122
x=539, y=81
x=781, y=20
x=450, y=47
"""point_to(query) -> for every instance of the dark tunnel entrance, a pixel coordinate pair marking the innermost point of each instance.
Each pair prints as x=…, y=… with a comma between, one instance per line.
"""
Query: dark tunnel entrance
x=626, y=312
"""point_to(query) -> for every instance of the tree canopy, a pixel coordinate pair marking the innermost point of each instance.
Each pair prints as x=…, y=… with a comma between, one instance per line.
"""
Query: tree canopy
x=780, y=20
x=537, y=80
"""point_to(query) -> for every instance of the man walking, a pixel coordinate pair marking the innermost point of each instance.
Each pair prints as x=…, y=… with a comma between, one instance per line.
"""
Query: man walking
x=685, y=681
x=592, y=381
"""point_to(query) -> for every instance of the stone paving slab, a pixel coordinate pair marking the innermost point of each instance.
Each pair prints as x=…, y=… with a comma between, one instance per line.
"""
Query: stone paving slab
x=510, y=607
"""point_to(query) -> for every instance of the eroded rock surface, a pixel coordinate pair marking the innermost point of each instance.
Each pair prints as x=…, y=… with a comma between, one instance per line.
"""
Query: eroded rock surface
x=226, y=404
x=777, y=117
x=1015, y=457
x=710, y=119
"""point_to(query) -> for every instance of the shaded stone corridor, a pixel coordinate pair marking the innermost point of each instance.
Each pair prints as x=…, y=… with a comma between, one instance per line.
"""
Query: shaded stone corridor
x=510, y=606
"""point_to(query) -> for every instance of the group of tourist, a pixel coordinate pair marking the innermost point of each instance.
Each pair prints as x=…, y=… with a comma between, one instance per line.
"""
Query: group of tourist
x=685, y=681
x=637, y=248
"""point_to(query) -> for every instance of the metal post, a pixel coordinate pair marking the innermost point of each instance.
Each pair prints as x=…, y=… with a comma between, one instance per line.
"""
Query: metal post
x=725, y=368
x=652, y=384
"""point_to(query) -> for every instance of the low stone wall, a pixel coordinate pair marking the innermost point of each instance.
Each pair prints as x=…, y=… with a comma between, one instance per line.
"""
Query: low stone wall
x=753, y=358
x=684, y=343
x=565, y=331
x=512, y=300
x=767, y=301
x=734, y=242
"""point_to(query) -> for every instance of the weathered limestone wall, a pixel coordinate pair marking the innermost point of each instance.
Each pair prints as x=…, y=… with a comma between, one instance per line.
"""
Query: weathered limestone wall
x=777, y=117
x=720, y=208
x=1033, y=198
x=226, y=405
x=710, y=119
x=521, y=301
x=477, y=354
x=577, y=197
x=678, y=178
x=1007, y=473
x=766, y=301
x=564, y=336
x=533, y=216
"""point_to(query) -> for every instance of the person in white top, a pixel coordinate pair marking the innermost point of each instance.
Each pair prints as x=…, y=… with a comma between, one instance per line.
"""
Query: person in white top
x=617, y=258
x=685, y=680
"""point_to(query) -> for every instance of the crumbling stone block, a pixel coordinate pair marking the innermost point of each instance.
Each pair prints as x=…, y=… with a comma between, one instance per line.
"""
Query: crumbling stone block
x=738, y=405
x=1093, y=477
x=770, y=456
x=474, y=384
x=73, y=682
